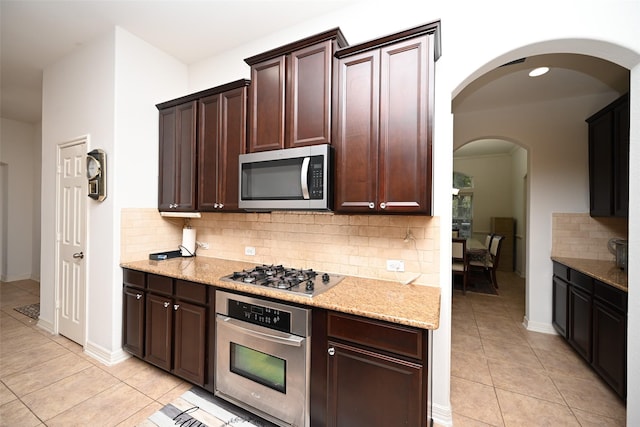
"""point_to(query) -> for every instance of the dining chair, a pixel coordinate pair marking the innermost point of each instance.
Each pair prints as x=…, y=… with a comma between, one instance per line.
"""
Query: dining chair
x=490, y=264
x=459, y=264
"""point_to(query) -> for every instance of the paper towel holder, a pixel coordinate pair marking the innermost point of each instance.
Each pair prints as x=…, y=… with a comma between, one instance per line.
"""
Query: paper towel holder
x=188, y=246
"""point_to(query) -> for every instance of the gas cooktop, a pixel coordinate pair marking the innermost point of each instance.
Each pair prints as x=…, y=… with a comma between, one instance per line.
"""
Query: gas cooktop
x=305, y=282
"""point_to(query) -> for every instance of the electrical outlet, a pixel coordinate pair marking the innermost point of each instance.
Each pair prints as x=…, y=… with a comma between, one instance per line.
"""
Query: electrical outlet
x=249, y=250
x=395, y=265
x=202, y=245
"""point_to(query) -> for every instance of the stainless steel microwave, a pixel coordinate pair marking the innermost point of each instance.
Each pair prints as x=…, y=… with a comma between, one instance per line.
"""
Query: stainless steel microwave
x=288, y=179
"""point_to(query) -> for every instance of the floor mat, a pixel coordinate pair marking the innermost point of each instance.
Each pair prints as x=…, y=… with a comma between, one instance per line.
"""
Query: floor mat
x=31, y=310
x=199, y=408
x=477, y=282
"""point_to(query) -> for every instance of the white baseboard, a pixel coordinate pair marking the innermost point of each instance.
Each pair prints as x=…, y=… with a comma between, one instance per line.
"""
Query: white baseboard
x=545, y=328
x=45, y=325
x=442, y=415
x=105, y=356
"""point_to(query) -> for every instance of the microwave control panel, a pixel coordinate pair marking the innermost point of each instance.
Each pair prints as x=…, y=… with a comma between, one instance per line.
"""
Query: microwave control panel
x=316, y=179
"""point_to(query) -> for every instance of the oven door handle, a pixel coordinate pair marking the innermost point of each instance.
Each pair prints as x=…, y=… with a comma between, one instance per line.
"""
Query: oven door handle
x=292, y=340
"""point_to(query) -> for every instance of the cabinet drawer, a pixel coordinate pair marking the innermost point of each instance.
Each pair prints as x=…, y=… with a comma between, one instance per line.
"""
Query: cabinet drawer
x=160, y=284
x=581, y=280
x=561, y=271
x=398, y=339
x=608, y=294
x=133, y=278
x=191, y=291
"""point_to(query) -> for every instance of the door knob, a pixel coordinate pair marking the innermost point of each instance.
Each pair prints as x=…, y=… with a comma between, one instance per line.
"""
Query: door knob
x=78, y=255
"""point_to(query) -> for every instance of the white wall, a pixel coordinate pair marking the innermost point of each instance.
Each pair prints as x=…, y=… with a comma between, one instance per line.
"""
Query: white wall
x=18, y=147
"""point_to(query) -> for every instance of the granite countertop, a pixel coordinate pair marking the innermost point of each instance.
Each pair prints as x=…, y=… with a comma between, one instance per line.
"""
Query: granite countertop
x=605, y=271
x=411, y=305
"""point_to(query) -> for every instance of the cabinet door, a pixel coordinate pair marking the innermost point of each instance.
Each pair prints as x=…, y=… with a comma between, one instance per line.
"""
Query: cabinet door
x=405, y=142
x=609, y=346
x=601, y=165
x=580, y=311
x=560, y=305
x=190, y=341
x=167, y=165
x=621, y=159
x=177, y=175
x=309, y=96
x=209, y=120
x=267, y=105
x=158, y=327
x=234, y=142
x=356, y=145
x=370, y=389
x=133, y=321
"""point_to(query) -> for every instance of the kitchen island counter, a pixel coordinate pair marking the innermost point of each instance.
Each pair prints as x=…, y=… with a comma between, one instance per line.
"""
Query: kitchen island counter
x=410, y=305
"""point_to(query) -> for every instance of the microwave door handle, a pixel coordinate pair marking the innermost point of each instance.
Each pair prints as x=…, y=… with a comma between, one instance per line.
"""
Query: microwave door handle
x=304, y=173
x=291, y=340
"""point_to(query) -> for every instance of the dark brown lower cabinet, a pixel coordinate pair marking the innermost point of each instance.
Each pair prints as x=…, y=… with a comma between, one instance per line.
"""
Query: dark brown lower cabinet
x=376, y=373
x=595, y=317
x=168, y=323
x=133, y=322
x=580, y=306
x=371, y=389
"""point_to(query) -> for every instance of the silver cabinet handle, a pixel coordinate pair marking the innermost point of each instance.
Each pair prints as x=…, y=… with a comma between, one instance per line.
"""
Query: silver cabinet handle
x=166, y=304
x=372, y=205
x=331, y=351
x=383, y=205
x=78, y=255
x=138, y=296
x=215, y=206
x=176, y=306
x=220, y=205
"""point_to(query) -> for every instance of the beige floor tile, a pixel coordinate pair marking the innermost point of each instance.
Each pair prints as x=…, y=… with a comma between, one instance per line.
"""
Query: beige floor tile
x=174, y=393
x=125, y=369
x=587, y=419
x=462, y=421
x=46, y=373
x=470, y=366
x=6, y=395
x=33, y=355
x=512, y=353
x=524, y=380
x=592, y=396
x=566, y=363
x=153, y=382
x=56, y=398
x=506, y=334
x=15, y=413
x=547, y=342
x=466, y=343
x=475, y=401
x=521, y=410
x=126, y=399
x=139, y=419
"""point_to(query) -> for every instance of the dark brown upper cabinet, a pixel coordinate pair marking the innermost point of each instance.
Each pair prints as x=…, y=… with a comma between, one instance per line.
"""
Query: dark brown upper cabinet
x=383, y=143
x=201, y=136
x=290, y=96
x=609, y=160
x=177, y=174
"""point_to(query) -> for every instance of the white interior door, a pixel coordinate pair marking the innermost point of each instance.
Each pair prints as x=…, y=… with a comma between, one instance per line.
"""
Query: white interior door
x=71, y=218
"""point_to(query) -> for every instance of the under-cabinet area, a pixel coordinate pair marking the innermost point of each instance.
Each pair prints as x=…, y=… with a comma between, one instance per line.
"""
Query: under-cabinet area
x=363, y=356
x=590, y=312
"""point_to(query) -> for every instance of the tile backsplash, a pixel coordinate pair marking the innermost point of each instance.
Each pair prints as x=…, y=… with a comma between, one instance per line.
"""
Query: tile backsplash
x=578, y=235
x=355, y=245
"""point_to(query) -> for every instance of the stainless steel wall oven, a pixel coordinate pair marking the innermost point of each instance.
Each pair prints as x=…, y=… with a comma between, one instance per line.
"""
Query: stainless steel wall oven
x=263, y=357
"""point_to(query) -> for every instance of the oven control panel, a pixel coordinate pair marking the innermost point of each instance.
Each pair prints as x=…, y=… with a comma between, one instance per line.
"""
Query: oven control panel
x=259, y=315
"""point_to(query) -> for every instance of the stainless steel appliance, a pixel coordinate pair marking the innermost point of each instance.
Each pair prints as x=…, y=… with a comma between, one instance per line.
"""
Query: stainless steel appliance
x=305, y=282
x=289, y=179
x=263, y=357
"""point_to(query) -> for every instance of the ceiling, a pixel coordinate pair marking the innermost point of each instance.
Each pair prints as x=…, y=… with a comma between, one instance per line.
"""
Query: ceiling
x=34, y=34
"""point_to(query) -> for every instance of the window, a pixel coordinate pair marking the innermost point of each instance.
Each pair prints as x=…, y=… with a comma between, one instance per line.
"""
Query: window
x=463, y=204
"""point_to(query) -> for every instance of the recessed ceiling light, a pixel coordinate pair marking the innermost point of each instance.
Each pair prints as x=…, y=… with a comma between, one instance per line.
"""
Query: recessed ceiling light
x=538, y=71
